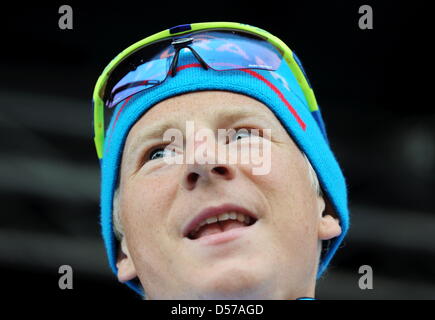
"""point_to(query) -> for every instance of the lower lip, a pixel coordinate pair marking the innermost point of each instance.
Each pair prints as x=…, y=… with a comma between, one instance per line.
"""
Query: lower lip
x=223, y=237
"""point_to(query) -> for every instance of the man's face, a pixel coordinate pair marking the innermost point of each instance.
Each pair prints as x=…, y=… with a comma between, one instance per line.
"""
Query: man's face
x=274, y=258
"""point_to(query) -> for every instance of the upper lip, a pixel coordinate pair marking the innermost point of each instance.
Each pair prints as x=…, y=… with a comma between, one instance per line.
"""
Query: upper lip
x=215, y=211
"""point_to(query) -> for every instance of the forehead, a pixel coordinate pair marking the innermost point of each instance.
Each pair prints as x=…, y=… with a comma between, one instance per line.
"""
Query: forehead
x=204, y=105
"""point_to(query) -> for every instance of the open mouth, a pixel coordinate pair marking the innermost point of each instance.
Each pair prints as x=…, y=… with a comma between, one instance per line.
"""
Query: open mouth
x=220, y=223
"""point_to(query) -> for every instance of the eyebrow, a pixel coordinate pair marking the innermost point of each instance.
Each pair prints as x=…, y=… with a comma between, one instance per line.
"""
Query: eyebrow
x=154, y=131
x=157, y=129
x=229, y=116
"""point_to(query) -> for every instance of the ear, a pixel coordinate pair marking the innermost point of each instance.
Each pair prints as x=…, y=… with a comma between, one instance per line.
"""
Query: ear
x=125, y=265
x=329, y=227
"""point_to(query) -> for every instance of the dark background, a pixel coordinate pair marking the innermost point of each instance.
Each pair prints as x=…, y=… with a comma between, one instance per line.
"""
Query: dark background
x=373, y=87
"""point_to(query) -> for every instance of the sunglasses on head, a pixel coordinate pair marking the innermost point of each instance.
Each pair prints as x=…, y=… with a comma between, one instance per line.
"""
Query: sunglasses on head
x=219, y=46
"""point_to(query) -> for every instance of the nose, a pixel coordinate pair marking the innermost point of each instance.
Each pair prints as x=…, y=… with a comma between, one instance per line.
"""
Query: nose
x=205, y=169
x=206, y=173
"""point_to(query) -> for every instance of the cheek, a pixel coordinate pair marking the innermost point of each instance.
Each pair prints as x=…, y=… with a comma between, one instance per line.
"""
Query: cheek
x=145, y=202
x=288, y=178
x=291, y=199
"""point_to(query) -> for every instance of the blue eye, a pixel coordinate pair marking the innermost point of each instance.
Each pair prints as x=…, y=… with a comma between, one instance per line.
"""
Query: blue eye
x=241, y=134
x=244, y=133
x=160, y=153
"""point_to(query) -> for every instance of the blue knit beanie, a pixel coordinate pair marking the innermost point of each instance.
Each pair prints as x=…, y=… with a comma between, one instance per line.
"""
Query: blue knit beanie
x=278, y=90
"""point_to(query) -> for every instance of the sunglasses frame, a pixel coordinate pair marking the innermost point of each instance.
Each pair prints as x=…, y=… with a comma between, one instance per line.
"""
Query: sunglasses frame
x=99, y=90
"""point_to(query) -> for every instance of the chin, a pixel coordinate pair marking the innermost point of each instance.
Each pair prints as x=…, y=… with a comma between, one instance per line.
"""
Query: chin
x=236, y=283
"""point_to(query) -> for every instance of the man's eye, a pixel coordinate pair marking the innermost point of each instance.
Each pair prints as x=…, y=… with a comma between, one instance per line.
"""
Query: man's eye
x=244, y=133
x=160, y=153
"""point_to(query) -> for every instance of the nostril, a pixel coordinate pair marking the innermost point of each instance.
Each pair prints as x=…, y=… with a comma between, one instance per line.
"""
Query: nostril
x=192, y=177
x=220, y=170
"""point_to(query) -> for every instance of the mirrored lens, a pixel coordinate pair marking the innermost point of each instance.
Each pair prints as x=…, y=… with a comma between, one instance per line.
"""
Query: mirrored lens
x=220, y=50
x=144, y=69
x=227, y=50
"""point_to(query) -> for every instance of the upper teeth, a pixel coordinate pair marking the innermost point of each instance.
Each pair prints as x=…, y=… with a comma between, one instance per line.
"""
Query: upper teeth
x=225, y=216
